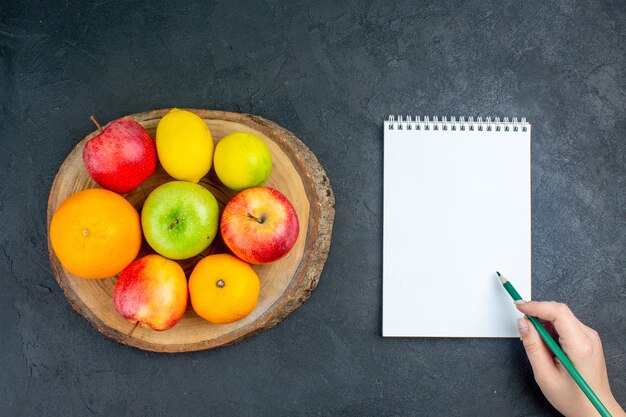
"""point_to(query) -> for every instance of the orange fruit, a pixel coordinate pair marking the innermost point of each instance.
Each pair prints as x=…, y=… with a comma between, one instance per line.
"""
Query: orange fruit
x=223, y=288
x=95, y=233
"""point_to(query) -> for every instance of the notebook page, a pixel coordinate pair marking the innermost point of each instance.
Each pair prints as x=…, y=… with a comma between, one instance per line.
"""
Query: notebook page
x=456, y=209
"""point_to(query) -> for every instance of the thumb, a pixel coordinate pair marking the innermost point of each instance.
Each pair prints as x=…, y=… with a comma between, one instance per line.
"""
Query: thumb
x=538, y=353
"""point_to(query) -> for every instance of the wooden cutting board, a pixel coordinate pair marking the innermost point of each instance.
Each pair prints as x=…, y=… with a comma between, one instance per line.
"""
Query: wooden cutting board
x=285, y=284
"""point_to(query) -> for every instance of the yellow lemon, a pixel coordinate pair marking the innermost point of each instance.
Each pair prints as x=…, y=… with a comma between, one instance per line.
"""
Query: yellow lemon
x=242, y=160
x=184, y=145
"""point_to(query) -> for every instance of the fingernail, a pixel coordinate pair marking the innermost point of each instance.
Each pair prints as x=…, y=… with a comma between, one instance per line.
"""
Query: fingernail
x=522, y=326
x=519, y=302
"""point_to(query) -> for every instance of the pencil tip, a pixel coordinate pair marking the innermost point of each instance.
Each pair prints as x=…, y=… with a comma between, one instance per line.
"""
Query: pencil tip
x=498, y=273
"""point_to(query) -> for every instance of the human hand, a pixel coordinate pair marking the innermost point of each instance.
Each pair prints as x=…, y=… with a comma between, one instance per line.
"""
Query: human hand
x=583, y=347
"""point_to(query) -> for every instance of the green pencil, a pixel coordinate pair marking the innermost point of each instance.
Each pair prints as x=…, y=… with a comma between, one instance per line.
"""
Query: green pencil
x=558, y=352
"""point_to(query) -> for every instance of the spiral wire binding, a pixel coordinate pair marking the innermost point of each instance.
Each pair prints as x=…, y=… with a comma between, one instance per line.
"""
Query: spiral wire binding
x=461, y=123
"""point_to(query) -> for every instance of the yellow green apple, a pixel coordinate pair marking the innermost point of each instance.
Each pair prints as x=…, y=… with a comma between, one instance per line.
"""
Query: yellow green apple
x=180, y=219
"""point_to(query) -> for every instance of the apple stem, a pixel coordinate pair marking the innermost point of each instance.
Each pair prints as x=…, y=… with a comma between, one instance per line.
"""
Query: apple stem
x=255, y=218
x=133, y=329
x=95, y=122
x=174, y=223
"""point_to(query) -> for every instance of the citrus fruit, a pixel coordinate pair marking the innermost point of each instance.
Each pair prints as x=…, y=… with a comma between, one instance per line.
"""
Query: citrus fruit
x=223, y=288
x=95, y=233
x=184, y=145
x=242, y=160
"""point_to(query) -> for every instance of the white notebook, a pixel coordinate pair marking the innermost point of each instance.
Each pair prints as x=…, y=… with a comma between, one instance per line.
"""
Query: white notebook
x=456, y=209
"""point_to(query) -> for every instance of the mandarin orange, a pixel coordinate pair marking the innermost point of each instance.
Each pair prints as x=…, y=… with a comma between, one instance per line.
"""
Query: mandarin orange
x=223, y=288
x=95, y=233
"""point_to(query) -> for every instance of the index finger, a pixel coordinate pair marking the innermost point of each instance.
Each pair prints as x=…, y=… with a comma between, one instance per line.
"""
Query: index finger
x=564, y=321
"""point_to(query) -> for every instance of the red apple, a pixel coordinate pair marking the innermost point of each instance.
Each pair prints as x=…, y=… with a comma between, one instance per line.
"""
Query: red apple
x=152, y=291
x=121, y=157
x=259, y=225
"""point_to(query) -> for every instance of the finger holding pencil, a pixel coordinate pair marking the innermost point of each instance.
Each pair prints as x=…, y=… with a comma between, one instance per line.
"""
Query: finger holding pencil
x=572, y=376
x=583, y=347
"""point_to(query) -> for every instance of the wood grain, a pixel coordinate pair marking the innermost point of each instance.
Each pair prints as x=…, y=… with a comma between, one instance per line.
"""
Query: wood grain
x=285, y=284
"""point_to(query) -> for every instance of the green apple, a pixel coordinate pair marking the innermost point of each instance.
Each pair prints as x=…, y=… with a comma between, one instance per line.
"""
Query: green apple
x=180, y=219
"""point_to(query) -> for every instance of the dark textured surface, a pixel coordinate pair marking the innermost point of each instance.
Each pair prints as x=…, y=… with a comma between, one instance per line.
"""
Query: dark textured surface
x=330, y=73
